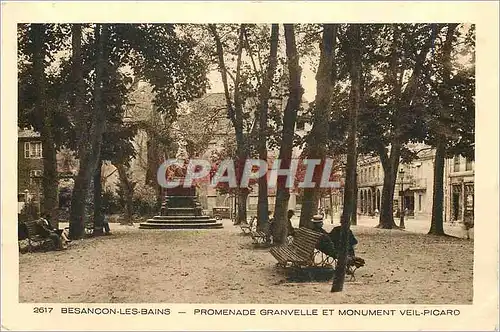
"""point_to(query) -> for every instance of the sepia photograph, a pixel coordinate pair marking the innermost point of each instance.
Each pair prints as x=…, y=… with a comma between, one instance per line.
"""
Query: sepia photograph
x=209, y=167
x=389, y=107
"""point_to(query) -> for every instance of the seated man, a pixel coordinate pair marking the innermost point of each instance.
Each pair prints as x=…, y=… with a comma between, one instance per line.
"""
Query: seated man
x=325, y=244
x=335, y=236
x=352, y=241
x=331, y=241
x=58, y=236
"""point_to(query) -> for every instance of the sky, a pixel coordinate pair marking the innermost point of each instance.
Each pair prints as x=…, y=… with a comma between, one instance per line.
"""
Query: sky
x=308, y=81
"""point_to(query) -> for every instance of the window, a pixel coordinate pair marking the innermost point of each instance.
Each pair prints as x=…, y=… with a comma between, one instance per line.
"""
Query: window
x=21, y=197
x=456, y=164
x=468, y=164
x=419, y=203
x=378, y=172
x=33, y=150
x=35, y=176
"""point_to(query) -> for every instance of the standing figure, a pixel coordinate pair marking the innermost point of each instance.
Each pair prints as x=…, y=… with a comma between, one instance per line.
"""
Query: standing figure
x=291, y=230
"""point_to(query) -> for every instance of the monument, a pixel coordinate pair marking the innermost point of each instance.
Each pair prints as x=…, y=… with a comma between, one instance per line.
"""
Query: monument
x=181, y=210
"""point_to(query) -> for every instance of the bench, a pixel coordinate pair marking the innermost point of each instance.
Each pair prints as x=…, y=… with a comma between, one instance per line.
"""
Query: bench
x=224, y=212
x=34, y=236
x=259, y=237
x=301, y=253
x=89, y=227
x=247, y=228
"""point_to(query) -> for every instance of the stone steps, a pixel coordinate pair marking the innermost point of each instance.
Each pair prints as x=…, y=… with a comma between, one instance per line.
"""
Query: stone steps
x=180, y=225
x=181, y=218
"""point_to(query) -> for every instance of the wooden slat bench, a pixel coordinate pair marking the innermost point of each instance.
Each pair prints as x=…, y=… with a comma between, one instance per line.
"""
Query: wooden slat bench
x=300, y=252
x=89, y=228
x=35, y=236
x=247, y=228
x=259, y=237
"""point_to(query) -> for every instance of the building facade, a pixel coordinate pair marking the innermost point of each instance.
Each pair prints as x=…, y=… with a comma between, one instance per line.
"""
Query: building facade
x=414, y=186
x=29, y=166
x=459, y=189
x=30, y=170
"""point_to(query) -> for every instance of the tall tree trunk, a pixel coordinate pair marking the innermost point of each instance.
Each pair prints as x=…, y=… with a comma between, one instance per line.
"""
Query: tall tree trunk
x=439, y=159
x=98, y=213
x=242, y=204
x=82, y=119
x=90, y=155
x=390, y=163
x=45, y=116
x=153, y=163
x=128, y=190
x=349, y=207
x=438, y=189
x=235, y=114
x=354, y=215
x=241, y=149
x=265, y=94
x=286, y=148
x=390, y=168
x=331, y=206
x=403, y=99
x=317, y=145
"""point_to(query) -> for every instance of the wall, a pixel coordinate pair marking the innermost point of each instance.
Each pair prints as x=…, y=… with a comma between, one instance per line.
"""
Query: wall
x=25, y=165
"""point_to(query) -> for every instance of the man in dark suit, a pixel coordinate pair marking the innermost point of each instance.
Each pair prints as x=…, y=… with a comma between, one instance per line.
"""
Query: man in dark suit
x=331, y=242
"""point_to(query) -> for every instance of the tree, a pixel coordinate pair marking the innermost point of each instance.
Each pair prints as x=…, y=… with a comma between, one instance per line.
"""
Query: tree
x=449, y=116
x=126, y=192
x=167, y=58
x=49, y=180
x=264, y=96
x=390, y=116
x=90, y=155
x=286, y=148
x=318, y=137
x=151, y=52
x=39, y=93
x=349, y=208
x=235, y=111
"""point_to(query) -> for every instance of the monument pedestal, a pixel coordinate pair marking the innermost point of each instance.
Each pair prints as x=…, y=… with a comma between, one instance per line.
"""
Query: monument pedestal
x=181, y=210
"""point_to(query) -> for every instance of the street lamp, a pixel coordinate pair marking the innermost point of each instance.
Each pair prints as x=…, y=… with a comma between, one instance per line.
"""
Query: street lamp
x=402, y=212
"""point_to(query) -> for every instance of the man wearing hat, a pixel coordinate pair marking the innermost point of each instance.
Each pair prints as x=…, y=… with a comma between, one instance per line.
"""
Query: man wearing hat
x=325, y=244
x=317, y=222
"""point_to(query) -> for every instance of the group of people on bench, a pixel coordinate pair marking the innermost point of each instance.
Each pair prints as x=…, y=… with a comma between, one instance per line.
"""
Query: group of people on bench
x=58, y=236
x=327, y=244
x=44, y=228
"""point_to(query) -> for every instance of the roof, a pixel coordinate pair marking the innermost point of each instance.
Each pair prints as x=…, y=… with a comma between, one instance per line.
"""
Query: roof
x=27, y=133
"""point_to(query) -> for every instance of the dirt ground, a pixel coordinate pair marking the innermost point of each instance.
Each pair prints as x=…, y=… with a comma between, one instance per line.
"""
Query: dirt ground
x=222, y=266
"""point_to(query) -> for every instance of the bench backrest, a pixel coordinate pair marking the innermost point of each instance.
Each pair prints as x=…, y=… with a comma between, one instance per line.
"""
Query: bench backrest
x=305, y=241
x=22, y=231
x=32, y=227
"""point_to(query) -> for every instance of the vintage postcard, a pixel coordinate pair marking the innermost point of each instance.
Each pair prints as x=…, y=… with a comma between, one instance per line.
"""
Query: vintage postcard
x=186, y=166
